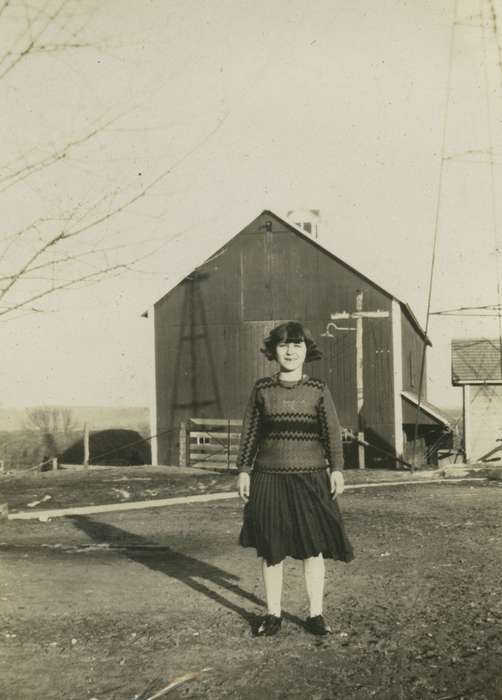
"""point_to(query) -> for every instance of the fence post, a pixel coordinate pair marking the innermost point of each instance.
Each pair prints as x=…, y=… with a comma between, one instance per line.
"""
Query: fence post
x=183, y=442
x=54, y=464
x=86, y=446
x=4, y=511
x=228, y=444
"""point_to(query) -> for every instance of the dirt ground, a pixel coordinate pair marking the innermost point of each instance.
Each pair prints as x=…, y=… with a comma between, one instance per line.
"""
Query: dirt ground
x=104, y=606
x=64, y=489
x=97, y=486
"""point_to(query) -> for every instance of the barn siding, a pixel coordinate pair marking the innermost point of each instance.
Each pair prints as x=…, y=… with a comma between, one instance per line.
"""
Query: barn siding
x=209, y=329
x=412, y=344
x=485, y=420
x=256, y=292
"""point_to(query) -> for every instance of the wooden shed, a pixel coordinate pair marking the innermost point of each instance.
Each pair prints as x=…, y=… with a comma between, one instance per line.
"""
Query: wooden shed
x=477, y=368
x=209, y=329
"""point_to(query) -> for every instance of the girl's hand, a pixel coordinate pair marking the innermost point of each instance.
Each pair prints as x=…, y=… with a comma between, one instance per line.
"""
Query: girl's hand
x=243, y=482
x=337, y=483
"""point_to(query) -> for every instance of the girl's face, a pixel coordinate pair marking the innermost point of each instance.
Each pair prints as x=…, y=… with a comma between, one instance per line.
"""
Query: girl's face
x=291, y=355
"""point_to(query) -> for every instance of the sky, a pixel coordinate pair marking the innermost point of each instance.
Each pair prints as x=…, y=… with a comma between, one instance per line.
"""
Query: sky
x=162, y=128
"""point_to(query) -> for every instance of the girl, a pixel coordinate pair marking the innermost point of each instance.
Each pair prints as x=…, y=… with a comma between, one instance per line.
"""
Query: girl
x=290, y=434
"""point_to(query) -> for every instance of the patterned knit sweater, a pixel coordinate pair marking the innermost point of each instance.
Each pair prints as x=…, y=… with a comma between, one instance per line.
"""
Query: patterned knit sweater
x=290, y=426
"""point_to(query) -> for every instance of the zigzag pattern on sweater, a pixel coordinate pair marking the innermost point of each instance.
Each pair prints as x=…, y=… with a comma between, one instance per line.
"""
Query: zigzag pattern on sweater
x=291, y=426
x=274, y=380
x=265, y=382
x=294, y=468
x=317, y=383
x=250, y=438
x=287, y=415
x=290, y=423
x=323, y=420
x=289, y=435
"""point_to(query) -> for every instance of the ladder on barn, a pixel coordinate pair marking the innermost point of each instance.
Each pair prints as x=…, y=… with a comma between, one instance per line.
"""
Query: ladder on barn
x=192, y=333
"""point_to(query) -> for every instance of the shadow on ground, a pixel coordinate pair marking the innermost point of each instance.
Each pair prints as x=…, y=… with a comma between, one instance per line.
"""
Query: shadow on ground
x=192, y=572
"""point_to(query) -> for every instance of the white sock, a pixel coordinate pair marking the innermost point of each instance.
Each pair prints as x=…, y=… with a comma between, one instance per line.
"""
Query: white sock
x=272, y=578
x=313, y=569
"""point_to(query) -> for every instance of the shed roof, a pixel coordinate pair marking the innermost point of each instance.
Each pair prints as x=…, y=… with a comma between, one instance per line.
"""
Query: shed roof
x=476, y=361
x=426, y=409
x=299, y=232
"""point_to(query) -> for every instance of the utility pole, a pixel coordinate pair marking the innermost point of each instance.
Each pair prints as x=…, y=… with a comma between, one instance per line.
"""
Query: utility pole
x=359, y=314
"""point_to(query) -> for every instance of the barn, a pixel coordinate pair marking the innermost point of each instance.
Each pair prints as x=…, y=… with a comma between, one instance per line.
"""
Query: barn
x=209, y=328
x=477, y=368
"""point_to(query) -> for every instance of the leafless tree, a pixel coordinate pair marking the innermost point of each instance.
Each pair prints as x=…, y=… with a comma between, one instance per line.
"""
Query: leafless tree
x=67, y=420
x=76, y=244
x=55, y=426
x=50, y=419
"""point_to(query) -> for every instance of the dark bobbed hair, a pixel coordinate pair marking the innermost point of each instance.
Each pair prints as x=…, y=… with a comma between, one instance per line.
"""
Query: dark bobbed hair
x=290, y=332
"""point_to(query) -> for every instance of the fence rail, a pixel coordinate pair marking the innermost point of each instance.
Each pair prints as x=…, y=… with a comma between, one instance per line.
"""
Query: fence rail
x=210, y=442
x=213, y=443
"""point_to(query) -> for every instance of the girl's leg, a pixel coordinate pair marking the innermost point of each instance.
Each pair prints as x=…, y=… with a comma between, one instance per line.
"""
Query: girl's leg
x=272, y=577
x=313, y=569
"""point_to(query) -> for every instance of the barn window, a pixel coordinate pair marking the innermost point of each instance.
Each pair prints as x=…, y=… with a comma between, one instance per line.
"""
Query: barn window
x=202, y=440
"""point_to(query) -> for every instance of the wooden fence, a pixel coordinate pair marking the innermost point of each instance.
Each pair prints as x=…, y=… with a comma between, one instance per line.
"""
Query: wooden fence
x=210, y=442
x=213, y=443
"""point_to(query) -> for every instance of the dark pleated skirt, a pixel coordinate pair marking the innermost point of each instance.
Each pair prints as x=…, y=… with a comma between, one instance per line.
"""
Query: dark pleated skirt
x=294, y=515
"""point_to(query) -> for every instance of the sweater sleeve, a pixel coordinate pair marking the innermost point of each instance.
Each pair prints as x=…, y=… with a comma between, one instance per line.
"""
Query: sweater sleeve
x=331, y=432
x=250, y=433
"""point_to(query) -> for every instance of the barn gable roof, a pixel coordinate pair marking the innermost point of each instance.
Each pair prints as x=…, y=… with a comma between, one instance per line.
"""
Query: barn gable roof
x=299, y=232
x=404, y=306
x=476, y=361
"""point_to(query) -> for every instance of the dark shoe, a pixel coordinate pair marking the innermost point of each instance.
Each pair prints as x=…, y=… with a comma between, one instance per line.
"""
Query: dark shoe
x=269, y=626
x=317, y=625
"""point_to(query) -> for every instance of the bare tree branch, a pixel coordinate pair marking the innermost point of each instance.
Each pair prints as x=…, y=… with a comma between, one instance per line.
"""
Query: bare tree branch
x=48, y=48
x=125, y=205
x=64, y=236
x=50, y=419
x=16, y=236
x=34, y=37
x=71, y=283
x=4, y=7
x=13, y=178
x=31, y=38
x=69, y=258
x=67, y=420
x=16, y=276
x=54, y=424
x=65, y=243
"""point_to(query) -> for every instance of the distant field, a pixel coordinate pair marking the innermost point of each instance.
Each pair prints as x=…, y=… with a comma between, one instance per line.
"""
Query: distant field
x=97, y=417
x=21, y=447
